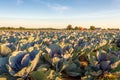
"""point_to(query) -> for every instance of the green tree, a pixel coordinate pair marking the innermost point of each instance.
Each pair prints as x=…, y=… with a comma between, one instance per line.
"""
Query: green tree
x=69, y=27
x=76, y=28
x=21, y=27
x=92, y=28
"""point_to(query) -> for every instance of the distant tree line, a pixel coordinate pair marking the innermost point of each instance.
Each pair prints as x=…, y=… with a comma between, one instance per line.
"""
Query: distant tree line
x=69, y=27
x=12, y=28
x=23, y=28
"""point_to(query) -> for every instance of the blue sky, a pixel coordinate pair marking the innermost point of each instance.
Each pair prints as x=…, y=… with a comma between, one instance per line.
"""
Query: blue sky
x=60, y=13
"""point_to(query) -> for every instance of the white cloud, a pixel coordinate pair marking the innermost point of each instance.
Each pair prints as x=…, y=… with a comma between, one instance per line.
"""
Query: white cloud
x=58, y=7
x=117, y=0
x=54, y=6
x=103, y=14
x=116, y=3
x=19, y=2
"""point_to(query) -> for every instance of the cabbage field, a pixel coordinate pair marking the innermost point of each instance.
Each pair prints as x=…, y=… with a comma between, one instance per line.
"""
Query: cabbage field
x=59, y=55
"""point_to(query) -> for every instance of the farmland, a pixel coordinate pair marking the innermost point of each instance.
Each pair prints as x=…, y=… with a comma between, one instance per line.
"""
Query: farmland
x=59, y=55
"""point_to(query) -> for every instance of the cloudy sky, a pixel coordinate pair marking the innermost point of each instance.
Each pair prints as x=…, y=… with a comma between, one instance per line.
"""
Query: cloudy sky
x=60, y=13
